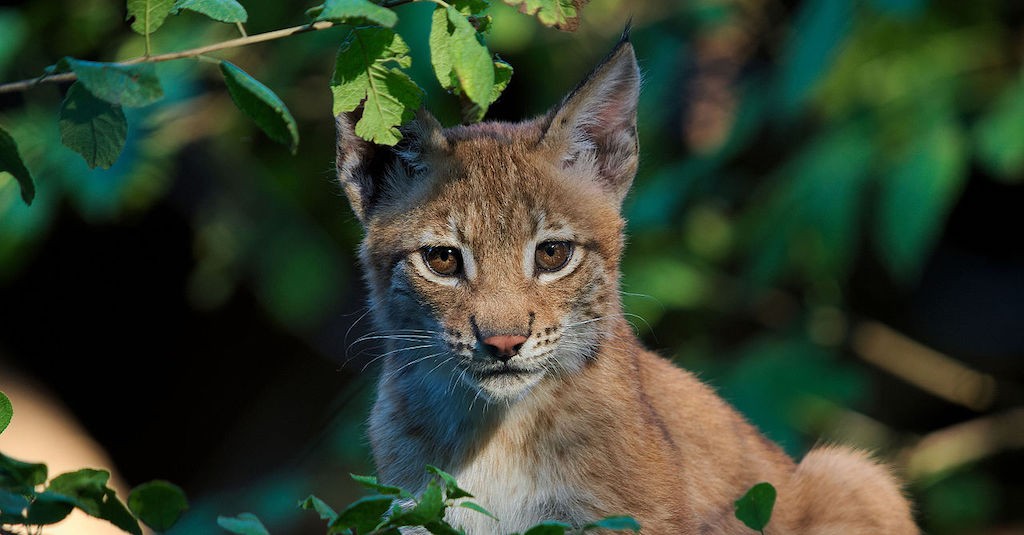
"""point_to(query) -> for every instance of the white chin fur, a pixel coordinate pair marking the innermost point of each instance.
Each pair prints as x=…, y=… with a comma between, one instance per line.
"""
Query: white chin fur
x=505, y=388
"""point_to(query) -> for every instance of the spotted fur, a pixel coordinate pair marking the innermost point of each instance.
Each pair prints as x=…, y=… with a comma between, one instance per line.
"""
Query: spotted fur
x=583, y=422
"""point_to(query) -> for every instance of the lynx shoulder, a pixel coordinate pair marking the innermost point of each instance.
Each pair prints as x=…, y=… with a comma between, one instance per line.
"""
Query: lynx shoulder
x=492, y=258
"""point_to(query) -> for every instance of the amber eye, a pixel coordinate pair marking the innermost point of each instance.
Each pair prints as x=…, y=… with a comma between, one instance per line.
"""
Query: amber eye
x=553, y=255
x=445, y=261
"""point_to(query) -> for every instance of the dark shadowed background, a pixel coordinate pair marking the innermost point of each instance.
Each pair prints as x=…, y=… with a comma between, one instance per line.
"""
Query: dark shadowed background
x=827, y=225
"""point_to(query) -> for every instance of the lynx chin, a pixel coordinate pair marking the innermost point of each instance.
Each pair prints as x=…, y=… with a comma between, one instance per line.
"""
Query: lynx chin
x=492, y=259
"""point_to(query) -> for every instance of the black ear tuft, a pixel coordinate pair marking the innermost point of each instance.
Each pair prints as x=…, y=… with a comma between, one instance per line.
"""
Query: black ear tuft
x=596, y=124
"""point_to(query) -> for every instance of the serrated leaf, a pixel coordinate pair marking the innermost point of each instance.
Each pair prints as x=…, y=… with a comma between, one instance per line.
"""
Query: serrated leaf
x=312, y=503
x=362, y=76
x=917, y=194
x=148, y=15
x=158, y=504
x=264, y=107
x=440, y=53
x=126, y=85
x=561, y=14
x=371, y=483
x=471, y=61
x=755, y=507
x=548, y=528
x=362, y=515
x=471, y=7
x=615, y=523
x=92, y=127
x=357, y=12
x=20, y=476
x=10, y=162
x=6, y=413
x=999, y=135
x=451, y=487
x=229, y=11
x=473, y=506
x=243, y=524
x=429, y=507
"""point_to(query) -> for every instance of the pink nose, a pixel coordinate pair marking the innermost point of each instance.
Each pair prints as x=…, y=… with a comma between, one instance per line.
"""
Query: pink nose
x=504, y=346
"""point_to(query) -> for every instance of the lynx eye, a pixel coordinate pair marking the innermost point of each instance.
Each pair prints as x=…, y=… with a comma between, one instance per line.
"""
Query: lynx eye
x=553, y=255
x=445, y=261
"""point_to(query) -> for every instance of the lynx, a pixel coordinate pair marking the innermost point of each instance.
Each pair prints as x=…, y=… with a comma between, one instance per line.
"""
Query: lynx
x=492, y=260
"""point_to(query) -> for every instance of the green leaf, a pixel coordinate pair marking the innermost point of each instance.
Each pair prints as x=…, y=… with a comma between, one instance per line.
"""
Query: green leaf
x=220, y=10
x=548, y=528
x=561, y=14
x=451, y=487
x=999, y=135
x=440, y=53
x=312, y=503
x=478, y=508
x=502, y=76
x=92, y=127
x=87, y=487
x=430, y=507
x=115, y=512
x=917, y=194
x=243, y=524
x=10, y=162
x=615, y=523
x=127, y=85
x=49, y=508
x=87, y=490
x=470, y=7
x=362, y=515
x=462, y=56
x=20, y=476
x=371, y=483
x=440, y=527
x=357, y=12
x=148, y=15
x=6, y=411
x=755, y=507
x=362, y=76
x=471, y=61
x=158, y=504
x=261, y=105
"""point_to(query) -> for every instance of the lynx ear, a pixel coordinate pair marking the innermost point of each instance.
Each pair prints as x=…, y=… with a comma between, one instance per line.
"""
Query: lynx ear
x=368, y=171
x=596, y=124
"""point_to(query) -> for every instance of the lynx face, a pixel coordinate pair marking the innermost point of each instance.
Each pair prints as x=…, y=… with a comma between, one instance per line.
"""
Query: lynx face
x=492, y=250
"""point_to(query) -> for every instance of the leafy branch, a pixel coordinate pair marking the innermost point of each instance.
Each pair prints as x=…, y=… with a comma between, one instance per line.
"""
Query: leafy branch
x=392, y=508
x=369, y=73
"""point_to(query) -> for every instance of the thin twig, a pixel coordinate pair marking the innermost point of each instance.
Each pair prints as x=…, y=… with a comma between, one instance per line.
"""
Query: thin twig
x=24, y=85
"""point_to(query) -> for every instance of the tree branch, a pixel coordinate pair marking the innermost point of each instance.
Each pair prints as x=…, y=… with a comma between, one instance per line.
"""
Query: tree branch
x=25, y=85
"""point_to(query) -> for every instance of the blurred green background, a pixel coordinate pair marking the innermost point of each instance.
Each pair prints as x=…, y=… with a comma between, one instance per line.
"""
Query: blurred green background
x=827, y=225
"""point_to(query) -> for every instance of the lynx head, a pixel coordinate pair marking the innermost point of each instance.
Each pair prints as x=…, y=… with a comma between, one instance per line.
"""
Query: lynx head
x=492, y=250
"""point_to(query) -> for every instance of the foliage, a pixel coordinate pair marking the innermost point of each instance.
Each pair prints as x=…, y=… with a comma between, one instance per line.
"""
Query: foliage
x=393, y=508
x=29, y=501
x=847, y=133
x=755, y=507
x=368, y=75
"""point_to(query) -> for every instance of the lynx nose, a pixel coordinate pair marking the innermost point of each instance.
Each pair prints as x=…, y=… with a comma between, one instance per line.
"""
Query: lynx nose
x=504, y=346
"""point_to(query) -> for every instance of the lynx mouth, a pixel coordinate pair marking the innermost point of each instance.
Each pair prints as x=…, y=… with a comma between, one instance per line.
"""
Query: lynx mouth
x=505, y=371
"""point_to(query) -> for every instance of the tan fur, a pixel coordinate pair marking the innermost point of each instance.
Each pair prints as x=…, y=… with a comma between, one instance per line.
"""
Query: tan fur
x=596, y=425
